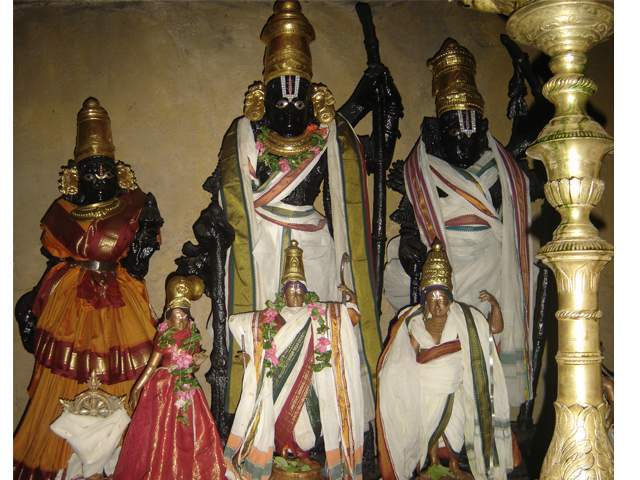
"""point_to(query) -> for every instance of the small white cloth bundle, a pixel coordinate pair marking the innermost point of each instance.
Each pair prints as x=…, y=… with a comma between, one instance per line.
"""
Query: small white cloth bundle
x=93, y=439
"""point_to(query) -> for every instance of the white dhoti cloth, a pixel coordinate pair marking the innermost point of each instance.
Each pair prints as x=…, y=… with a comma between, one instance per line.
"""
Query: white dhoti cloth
x=94, y=441
x=413, y=397
x=488, y=249
x=273, y=225
x=250, y=446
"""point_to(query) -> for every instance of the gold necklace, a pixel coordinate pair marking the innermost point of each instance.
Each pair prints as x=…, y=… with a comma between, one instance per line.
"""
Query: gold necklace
x=286, y=146
x=97, y=210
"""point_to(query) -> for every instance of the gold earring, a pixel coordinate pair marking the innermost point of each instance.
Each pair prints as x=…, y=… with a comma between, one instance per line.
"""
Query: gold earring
x=126, y=176
x=68, y=180
x=323, y=103
x=254, y=102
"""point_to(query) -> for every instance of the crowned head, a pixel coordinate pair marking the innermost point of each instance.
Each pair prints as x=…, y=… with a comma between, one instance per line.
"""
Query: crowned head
x=181, y=292
x=294, y=283
x=286, y=100
x=94, y=175
x=436, y=289
x=459, y=104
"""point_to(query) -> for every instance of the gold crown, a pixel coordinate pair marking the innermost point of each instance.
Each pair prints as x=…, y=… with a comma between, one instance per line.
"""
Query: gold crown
x=436, y=270
x=454, y=84
x=293, y=266
x=287, y=35
x=181, y=291
x=94, y=131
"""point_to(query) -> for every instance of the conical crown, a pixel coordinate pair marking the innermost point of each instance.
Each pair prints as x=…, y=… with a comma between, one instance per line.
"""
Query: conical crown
x=454, y=84
x=94, y=131
x=293, y=266
x=436, y=270
x=287, y=35
x=181, y=291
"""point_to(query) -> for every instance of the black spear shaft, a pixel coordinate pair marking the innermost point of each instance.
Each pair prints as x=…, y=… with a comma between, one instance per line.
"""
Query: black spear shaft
x=379, y=165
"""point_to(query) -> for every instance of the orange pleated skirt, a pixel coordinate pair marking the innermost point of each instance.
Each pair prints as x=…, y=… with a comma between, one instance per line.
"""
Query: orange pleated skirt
x=73, y=339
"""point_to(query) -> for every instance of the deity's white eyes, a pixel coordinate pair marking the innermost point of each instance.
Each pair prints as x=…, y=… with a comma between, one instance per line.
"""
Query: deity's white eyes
x=282, y=103
x=90, y=177
x=299, y=104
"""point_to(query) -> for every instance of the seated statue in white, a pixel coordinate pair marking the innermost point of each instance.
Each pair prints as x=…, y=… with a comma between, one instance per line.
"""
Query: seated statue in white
x=441, y=385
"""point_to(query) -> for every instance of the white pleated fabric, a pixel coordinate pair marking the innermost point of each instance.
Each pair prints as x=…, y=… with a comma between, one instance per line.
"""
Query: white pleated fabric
x=322, y=252
x=94, y=441
x=412, y=396
x=480, y=259
x=256, y=401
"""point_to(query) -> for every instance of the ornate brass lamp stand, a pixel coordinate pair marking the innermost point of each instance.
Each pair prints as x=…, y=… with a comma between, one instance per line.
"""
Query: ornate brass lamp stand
x=571, y=147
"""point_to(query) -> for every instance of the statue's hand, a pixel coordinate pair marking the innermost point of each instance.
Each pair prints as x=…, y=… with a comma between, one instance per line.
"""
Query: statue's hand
x=133, y=400
x=390, y=91
x=487, y=297
x=27, y=320
x=348, y=295
x=199, y=358
x=412, y=253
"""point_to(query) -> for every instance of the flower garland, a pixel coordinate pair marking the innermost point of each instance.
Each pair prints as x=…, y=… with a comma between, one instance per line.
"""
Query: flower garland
x=322, y=350
x=286, y=164
x=182, y=365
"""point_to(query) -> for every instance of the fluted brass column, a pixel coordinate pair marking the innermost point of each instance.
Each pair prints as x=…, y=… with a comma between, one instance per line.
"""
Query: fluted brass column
x=572, y=147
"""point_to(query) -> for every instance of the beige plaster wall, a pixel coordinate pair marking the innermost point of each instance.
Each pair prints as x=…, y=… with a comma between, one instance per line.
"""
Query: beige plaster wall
x=172, y=76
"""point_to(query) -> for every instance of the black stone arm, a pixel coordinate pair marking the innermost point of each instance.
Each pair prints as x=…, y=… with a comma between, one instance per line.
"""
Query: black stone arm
x=545, y=308
x=207, y=259
x=526, y=123
x=412, y=251
x=27, y=320
x=146, y=241
x=376, y=91
x=326, y=198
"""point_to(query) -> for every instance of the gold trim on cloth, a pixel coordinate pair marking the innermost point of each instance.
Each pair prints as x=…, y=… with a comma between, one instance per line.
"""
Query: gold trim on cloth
x=241, y=290
x=359, y=240
x=344, y=406
x=118, y=365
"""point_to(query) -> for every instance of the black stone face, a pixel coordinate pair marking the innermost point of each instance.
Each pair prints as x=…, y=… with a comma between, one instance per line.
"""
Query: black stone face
x=97, y=179
x=462, y=150
x=288, y=116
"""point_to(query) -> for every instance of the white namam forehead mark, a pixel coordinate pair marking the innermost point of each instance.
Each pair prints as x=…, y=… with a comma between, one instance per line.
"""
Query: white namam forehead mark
x=437, y=294
x=290, y=86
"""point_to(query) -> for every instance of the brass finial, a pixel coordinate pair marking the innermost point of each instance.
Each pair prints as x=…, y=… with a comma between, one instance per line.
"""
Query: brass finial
x=287, y=35
x=94, y=131
x=436, y=270
x=181, y=291
x=454, y=84
x=293, y=266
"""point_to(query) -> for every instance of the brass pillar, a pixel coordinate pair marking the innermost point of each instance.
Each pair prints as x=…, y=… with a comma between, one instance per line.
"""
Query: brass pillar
x=572, y=147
